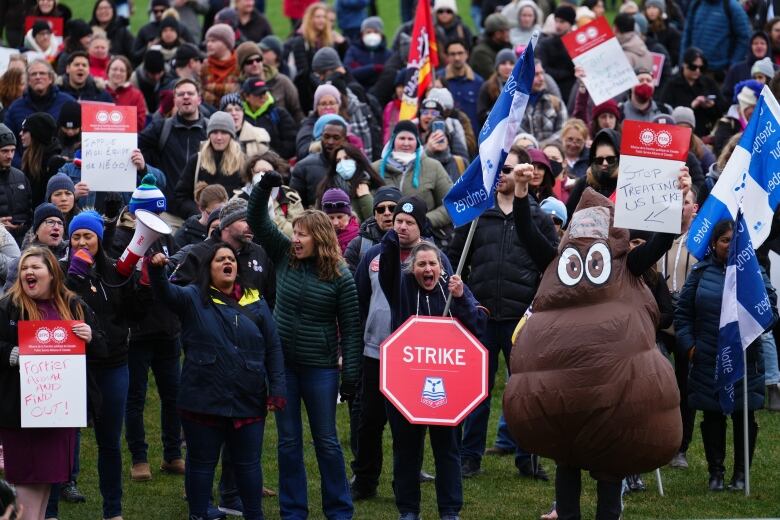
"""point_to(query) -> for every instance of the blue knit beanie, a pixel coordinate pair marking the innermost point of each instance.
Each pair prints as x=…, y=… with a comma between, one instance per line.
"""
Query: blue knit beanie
x=89, y=220
x=327, y=119
x=59, y=182
x=148, y=196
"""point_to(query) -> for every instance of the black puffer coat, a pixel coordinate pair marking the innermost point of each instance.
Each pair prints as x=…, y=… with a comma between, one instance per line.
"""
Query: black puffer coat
x=16, y=199
x=502, y=275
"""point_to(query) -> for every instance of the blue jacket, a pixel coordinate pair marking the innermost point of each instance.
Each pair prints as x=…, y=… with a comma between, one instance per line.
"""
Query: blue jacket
x=351, y=13
x=231, y=363
x=697, y=323
x=404, y=294
x=723, y=37
x=464, y=92
x=366, y=64
x=28, y=104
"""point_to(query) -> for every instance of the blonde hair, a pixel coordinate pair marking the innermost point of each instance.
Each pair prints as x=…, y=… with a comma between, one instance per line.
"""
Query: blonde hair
x=62, y=297
x=578, y=125
x=310, y=35
x=232, y=159
x=326, y=245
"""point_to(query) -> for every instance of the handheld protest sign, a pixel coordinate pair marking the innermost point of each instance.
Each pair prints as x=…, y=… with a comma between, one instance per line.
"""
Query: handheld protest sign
x=433, y=370
x=658, y=67
x=56, y=23
x=52, y=375
x=110, y=135
x=595, y=48
x=648, y=193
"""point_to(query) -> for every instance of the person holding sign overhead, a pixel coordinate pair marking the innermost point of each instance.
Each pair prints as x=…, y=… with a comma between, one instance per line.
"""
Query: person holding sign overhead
x=423, y=289
x=35, y=458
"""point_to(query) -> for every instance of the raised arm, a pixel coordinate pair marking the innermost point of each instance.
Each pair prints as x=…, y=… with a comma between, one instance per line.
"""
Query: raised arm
x=275, y=243
x=541, y=250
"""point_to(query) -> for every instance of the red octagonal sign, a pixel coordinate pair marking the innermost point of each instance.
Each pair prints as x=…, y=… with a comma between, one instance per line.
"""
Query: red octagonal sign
x=433, y=370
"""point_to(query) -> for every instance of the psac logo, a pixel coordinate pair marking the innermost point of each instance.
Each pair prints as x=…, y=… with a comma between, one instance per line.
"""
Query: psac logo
x=104, y=116
x=588, y=34
x=46, y=335
x=662, y=138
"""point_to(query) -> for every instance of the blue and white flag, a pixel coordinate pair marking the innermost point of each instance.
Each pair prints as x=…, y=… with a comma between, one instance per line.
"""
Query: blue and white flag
x=750, y=181
x=744, y=314
x=473, y=192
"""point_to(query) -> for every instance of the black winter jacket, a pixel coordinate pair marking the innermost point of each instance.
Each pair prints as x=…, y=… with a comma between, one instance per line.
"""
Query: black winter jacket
x=368, y=236
x=185, y=205
x=191, y=232
x=16, y=200
x=280, y=126
x=183, y=141
x=501, y=273
x=307, y=175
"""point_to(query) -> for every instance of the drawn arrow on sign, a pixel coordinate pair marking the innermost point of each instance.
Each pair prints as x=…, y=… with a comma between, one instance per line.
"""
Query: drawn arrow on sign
x=654, y=214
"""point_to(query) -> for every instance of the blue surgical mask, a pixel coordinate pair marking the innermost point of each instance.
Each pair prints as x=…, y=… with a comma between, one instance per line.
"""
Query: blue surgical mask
x=346, y=168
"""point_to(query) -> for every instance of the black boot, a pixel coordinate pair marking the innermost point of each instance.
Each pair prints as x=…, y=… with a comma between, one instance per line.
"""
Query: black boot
x=713, y=434
x=608, y=503
x=738, y=479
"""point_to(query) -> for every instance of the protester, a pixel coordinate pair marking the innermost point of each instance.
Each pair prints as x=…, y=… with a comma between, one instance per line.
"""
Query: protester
x=210, y=199
x=351, y=172
x=313, y=281
x=219, y=75
x=429, y=277
x=15, y=194
x=105, y=17
x=228, y=409
x=35, y=458
x=122, y=91
x=38, y=137
x=697, y=325
x=494, y=39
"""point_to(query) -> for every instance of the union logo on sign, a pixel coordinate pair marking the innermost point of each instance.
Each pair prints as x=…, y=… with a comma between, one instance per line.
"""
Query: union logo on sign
x=116, y=116
x=647, y=136
x=663, y=138
x=59, y=334
x=433, y=393
x=43, y=335
x=102, y=116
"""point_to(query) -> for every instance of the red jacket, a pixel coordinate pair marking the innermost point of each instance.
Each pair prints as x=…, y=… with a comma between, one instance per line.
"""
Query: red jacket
x=129, y=96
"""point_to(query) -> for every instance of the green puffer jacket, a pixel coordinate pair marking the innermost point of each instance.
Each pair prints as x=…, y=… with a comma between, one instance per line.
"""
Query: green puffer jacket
x=310, y=313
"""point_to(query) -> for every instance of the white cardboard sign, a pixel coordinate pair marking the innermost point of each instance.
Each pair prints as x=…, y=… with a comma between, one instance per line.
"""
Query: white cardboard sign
x=109, y=137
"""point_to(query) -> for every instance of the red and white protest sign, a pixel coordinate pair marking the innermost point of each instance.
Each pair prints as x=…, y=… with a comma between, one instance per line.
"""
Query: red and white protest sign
x=56, y=23
x=607, y=70
x=648, y=193
x=109, y=136
x=52, y=374
x=658, y=67
x=433, y=370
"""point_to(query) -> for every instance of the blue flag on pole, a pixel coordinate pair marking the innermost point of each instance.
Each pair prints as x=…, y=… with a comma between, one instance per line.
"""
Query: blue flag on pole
x=745, y=313
x=752, y=174
x=472, y=194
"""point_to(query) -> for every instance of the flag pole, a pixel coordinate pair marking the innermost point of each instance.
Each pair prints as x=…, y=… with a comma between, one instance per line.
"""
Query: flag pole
x=658, y=479
x=745, y=422
x=462, y=261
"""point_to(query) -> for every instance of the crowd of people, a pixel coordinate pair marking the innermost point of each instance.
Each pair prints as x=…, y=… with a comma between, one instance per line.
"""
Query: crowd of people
x=309, y=223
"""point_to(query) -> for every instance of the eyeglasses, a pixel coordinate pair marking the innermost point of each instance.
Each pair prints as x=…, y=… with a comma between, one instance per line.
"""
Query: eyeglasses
x=328, y=104
x=506, y=169
x=252, y=61
x=574, y=140
x=694, y=68
x=389, y=208
x=610, y=160
x=430, y=112
x=340, y=204
x=53, y=222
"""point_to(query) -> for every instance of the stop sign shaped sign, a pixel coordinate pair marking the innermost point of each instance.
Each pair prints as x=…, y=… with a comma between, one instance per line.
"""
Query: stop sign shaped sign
x=433, y=370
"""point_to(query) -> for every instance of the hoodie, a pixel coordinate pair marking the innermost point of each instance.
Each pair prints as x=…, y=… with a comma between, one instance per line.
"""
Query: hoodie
x=518, y=35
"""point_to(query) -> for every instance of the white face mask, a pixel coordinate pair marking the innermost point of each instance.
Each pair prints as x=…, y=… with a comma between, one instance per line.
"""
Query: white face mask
x=403, y=157
x=372, y=39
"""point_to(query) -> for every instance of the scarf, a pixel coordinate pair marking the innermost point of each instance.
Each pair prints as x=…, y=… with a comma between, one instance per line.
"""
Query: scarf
x=255, y=114
x=222, y=71
x=346, y=235
x=98, y=67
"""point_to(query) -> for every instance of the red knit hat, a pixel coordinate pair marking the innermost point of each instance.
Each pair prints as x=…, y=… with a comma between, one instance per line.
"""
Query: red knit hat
x=607, y=107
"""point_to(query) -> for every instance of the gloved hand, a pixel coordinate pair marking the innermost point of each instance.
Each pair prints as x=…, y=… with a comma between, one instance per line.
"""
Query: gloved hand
x=13, y=357
x=347, y=391
x=113, y=204
x=270, y=180
x=81, y=262
x=275, y=403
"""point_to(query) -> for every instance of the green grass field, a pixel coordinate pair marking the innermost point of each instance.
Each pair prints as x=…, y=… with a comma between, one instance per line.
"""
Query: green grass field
x=497, y=493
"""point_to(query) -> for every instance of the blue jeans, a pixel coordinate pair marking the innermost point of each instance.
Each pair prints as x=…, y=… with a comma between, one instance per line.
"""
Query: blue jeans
x=498, y=340
x=162, y=356
x=408, y=449
x=476, y=17
x=769, y=351
x=318, y=389
x=204, y=443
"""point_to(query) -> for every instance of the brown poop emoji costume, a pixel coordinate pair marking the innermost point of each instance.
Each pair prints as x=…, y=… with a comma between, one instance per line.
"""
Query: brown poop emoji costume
x=589, y=388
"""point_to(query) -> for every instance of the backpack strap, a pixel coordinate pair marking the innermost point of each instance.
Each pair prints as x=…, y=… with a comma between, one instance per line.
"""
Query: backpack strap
x=165, y=134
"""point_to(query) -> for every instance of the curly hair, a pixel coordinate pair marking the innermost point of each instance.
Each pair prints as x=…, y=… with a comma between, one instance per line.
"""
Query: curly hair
x=326, y=246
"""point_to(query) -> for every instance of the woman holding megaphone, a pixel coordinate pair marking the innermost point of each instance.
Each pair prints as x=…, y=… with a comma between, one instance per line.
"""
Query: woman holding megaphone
x=117, y=303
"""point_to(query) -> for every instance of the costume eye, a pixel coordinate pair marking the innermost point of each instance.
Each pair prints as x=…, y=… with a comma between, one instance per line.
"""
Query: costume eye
x=570, y=267
x=598, y=263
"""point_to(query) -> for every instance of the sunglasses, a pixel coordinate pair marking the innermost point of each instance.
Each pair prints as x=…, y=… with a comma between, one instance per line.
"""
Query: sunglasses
x=252, y=61
x=610, y=160
x=506, y=170
x=385, y=209
x=695, y=67
x=445, y=11
x=335, y=205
